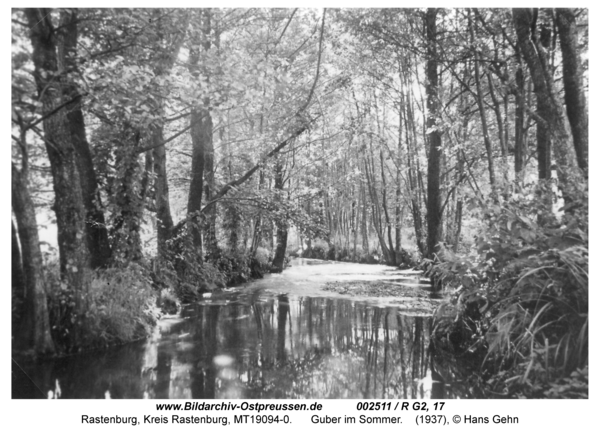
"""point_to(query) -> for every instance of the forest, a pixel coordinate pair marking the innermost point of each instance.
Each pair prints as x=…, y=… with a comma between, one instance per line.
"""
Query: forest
x=160, y=155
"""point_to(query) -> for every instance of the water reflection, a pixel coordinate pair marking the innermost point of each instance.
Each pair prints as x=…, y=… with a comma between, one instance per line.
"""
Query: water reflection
x=258, y=346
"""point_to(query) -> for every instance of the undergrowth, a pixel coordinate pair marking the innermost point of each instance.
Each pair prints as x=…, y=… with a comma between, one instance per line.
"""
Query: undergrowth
x=120, y=307
x=520, y=300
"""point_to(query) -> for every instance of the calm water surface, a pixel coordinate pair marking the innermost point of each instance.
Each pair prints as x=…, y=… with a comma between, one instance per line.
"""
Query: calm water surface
x=280, y=337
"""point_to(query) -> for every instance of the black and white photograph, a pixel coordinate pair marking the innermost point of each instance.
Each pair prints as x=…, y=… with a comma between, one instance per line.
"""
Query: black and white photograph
x=293, y=203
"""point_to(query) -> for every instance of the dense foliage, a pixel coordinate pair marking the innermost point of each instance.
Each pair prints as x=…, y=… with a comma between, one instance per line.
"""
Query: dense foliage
x=158, y=154
x=521, y=298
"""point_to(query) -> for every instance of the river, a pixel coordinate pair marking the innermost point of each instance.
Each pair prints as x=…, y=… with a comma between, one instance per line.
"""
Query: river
x=279, y=337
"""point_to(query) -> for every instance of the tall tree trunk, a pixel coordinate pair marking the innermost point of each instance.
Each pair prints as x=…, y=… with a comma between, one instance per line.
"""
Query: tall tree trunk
x=34, y=332
x=434, y=211
x=519, y=118
x=355, y=220
x=126, y=230
x=17, y=278
x=164, y=228
x=388, y=223
x=257, y=236
x=544, y=140
x=459, y=202
x=500, y=121
x=232, y=221
x=363, y=221
x=280, y=223
x=536, y=56
x=69, y=204
x=480, y=105
x=498, y=113
x=573, y=81
x=201, y=125
x=96, y=232
x=398, y=221
x=201, y=133
x=376, y=213
x=398, y=224
x=162, y=68
x=210, y=226
x=232, y=217
x=415, y=204
x=544, y=110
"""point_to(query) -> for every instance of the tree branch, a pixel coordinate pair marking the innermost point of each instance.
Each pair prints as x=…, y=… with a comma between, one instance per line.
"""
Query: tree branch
x=314, y=85
x=47, y=115
x=304, y=125
x=171, y=138
x=285, y=28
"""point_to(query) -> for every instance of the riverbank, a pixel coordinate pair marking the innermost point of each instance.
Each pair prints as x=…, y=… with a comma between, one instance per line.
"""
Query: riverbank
x=520, y=303
x=282, y=336
x=323, y=251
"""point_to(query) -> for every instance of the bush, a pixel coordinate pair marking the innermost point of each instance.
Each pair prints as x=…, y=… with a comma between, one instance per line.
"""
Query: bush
x=522, y=296
x=189, y=272
x=168, y=302
x=292, y=250
x=318, y=250
x=260, y=262
x=359, y=254
x=262, y=257
x=407, y=259
x=234, y=266
x=120, y=307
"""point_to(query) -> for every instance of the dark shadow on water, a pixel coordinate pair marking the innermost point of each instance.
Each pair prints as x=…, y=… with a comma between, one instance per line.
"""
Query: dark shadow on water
x=255, y=346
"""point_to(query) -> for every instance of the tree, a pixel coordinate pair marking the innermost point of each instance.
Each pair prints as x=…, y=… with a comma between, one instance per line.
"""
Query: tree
x=34, y=328
x=533, y=47
x=96, y=232
x=169, y=42
x=573, y=81
x=434, y=210
x=201, y=132
x=281, y=223
x=62, y=152
x=482, y=111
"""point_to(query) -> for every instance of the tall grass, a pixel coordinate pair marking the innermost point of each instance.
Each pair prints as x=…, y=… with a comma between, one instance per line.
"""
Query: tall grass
x=120, y=307
x=522, y=298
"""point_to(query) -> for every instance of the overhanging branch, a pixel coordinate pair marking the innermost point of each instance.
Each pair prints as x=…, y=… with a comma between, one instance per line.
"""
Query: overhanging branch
x=304, y=125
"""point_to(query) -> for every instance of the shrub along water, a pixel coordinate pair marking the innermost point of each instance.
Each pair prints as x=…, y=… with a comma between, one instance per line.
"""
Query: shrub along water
x=120, y=307
x=323, y=251
x=124, y=303
x=521, y=299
